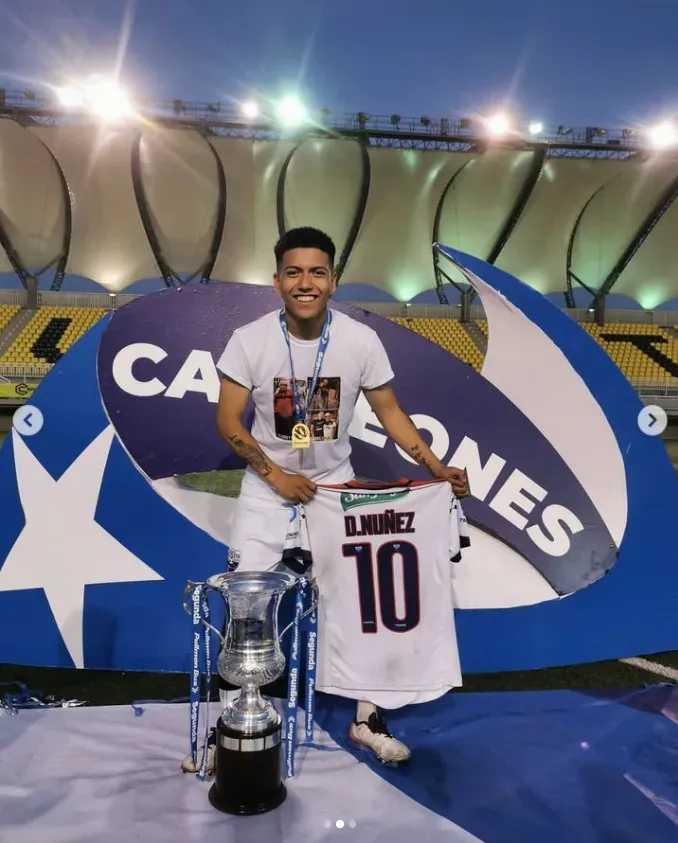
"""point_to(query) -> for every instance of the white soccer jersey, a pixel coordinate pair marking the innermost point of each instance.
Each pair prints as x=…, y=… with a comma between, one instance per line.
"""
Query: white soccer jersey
x=382, y=560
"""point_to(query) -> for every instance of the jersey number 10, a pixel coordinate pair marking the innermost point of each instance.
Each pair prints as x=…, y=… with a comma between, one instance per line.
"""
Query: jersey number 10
x=383, y=591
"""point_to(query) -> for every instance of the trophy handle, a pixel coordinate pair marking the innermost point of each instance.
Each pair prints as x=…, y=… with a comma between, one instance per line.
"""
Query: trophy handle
x=189, y=611
x=214, y=629
x=305, y=614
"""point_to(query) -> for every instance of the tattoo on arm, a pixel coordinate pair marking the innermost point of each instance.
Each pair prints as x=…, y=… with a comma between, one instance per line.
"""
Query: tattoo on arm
x=252, y=455
x=420, y=458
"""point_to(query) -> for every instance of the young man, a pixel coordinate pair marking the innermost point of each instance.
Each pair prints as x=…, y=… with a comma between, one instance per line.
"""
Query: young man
x=297, y=346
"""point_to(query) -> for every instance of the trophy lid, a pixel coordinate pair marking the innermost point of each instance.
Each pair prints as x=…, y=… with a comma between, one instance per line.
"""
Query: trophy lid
x=250, y=582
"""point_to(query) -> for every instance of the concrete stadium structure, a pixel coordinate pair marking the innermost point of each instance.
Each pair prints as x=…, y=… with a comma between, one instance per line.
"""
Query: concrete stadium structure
x=122, y=204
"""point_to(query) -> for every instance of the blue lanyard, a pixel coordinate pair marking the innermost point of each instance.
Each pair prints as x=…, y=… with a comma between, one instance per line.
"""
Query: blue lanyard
x=200, y=610
x=293, y=681
x=309, y=628
x=322, y=348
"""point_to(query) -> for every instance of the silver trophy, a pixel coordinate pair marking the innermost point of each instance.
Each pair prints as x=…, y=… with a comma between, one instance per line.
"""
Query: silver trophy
x=248, y=752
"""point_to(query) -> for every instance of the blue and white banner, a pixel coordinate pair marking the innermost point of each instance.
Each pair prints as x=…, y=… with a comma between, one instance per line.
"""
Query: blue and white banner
x=572, y=513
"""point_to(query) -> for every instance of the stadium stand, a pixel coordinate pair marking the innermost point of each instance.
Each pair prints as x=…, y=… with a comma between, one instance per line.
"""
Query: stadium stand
x=640, y=351
x=50, y=333
x=7, y=313
x=447, y=333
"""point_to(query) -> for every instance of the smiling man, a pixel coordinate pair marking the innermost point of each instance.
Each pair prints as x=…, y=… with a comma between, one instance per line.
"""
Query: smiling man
x=304, y=368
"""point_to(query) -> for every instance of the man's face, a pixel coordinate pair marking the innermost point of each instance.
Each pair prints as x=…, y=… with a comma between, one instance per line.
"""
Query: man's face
x=305, y=282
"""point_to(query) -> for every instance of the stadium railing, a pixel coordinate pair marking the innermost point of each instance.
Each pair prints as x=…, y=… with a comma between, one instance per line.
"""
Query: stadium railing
x=22, y=372
x=656, y=386
x=50, y=298
x=662, y=393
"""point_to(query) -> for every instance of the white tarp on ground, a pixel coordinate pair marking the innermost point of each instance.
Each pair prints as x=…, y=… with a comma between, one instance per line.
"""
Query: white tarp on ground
x=104, y=775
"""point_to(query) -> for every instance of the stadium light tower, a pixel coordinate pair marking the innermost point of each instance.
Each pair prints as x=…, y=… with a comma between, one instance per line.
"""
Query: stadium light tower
x=107, y=100
x=102, y=97
x=498, y=125
x=663, y=135
x=250, y=110
x=290, y=112
x=70, y=97
x=536, y=128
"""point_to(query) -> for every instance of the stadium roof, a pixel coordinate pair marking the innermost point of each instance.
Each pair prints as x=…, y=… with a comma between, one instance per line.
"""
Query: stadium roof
x=121, y=204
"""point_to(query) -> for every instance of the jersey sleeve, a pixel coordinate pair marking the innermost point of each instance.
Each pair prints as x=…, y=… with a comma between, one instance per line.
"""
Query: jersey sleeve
x=296, y=556
x=234, y=362
x=377, y=369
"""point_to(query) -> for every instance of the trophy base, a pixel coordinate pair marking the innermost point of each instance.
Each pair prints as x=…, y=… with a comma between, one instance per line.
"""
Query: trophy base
x=246, y=809
x=248, y=771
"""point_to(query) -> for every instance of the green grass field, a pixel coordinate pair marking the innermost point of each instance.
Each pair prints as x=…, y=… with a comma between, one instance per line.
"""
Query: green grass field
x=112, y=688
x=225, y=483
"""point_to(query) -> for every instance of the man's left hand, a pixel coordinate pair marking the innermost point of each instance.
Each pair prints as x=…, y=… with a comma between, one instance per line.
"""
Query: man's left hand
x=458, y=479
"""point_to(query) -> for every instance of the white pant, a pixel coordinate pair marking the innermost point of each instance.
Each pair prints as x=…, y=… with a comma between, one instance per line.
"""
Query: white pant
x=258, y=533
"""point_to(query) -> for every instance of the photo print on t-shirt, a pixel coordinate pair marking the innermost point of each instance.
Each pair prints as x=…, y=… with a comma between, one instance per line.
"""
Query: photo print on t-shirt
x=323, y=407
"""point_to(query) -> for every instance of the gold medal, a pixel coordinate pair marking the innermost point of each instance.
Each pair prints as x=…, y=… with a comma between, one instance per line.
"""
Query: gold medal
x=301, y=436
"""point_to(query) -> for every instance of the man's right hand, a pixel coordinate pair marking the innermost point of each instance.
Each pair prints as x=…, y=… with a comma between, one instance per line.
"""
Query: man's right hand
x=293, y=487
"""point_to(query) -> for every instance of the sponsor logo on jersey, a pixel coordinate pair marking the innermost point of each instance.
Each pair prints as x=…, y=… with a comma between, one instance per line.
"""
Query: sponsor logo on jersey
x=350, y=500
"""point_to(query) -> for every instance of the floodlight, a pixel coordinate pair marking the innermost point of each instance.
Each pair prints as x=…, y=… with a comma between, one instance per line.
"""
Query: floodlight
x=536, y=128
x=290, y=111
x=107, y=100
x=663, y=135
x=70, y=97
x=498, y=125
x=250, y=109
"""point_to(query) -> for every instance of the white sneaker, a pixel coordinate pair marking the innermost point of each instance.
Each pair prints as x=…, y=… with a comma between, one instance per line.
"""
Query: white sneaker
x=374, y=735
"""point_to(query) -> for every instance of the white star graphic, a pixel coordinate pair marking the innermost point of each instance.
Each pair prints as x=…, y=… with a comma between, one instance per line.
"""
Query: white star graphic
x=61, y=548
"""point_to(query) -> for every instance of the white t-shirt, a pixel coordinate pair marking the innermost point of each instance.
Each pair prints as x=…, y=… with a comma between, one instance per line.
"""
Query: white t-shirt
x=256, y=357
x=382, y=558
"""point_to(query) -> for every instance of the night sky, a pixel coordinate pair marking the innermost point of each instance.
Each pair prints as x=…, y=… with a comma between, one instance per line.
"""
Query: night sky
x=581, y=62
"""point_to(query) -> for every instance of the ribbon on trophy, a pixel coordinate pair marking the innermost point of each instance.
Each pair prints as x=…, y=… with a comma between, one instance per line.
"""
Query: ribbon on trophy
x=293, y=681
x=297, y=558
x=304, y=632
x=311, y=630
x=201, y=632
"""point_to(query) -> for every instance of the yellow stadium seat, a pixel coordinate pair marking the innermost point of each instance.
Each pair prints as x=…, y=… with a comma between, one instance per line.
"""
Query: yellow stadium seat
x=447, y=333
x=50, y=333
x=632, y=361
x=7, y=313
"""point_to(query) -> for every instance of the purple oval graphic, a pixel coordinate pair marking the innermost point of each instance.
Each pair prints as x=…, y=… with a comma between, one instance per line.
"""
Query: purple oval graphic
x=159, y=384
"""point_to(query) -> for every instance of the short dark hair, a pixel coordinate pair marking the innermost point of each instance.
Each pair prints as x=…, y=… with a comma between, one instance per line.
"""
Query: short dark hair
x=305, y=238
